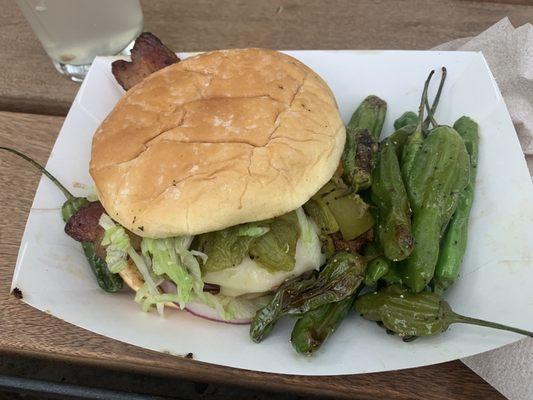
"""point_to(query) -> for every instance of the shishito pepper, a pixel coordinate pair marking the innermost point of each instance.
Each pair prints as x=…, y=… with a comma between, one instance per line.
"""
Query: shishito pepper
x=416, y=314
x=362, y=136
x=316, y=326
x=339, y=279
x=453, y=245
x=407, y=118
x=377, y=265
x=393, y=222
x=440, y=171
x=106, y=280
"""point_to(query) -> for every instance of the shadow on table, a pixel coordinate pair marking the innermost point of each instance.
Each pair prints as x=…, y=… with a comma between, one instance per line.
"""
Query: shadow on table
x=32, y=379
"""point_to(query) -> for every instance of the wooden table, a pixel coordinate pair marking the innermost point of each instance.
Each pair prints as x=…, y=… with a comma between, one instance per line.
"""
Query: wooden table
x=34, y=100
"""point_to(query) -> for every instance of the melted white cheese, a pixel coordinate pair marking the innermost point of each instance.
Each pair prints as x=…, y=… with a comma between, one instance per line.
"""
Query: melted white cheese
x=248, y=277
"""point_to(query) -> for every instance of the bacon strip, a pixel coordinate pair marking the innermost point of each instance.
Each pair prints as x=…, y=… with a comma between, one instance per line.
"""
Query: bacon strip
x=148, y=55
x=352, y=246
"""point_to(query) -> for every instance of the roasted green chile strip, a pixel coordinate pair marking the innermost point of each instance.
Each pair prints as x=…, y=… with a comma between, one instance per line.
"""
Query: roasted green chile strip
x=320, y=213
x=440, y=172
x=315, y=326
x=271, y=243
x=106, y=280
x=393, y=225
x=335, y=208
x=453, y=246
x=362, y=136
x=416, y=314
x=225, y=248
x=339, y=279
x=276, y=249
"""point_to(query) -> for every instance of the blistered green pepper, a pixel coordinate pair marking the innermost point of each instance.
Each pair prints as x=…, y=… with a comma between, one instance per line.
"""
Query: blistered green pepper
x=108, y=281
x=315, y=326
x=416, y=314
x=339, y=279
x=362, y=136
x=407, y=118
x=453, y=246
x=440, y=172
x=377, y=265
x=393, y=225
x=393, y=275
x=369, y=115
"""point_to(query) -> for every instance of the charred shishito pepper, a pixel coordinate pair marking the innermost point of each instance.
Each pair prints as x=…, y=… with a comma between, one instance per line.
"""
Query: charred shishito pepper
x=362, y=136
x=338, y=280
x=89, y=241
x=453, y=245
x=439, y=173
x=416, y=314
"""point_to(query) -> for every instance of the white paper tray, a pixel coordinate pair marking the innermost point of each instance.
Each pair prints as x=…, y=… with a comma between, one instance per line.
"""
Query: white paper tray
x=497, y=273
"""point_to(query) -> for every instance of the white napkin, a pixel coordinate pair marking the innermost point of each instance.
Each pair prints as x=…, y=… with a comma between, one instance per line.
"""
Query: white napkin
x=509, y=53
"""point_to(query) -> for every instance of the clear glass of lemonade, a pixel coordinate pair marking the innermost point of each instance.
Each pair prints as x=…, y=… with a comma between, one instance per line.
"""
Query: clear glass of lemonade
x=74, y=32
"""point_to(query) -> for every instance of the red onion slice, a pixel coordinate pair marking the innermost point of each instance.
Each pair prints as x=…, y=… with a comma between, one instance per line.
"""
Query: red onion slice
x=202, y=310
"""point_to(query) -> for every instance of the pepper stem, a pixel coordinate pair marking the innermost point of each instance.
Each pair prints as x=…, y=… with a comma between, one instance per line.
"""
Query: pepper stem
x=457, y=318
x=422, y=102
x=433, y=109
x=65, y=191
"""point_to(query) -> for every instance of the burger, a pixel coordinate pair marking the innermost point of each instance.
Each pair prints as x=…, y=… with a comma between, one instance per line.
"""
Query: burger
x=202, y=169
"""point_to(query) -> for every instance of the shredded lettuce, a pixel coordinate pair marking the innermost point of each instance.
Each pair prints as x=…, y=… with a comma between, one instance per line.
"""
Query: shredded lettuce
x=116, y=242
x=149, y=293
x=171, y=258
x=167, y=261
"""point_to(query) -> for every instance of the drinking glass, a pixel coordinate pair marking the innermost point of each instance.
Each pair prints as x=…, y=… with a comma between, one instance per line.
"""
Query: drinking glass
x=74, y=32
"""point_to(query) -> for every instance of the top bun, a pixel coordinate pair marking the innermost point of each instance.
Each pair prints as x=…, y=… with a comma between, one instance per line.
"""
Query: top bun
x=219, y=139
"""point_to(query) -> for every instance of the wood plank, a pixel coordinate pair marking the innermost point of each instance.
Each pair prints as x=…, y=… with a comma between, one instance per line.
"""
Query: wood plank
x=29, y=82
x=27, y=331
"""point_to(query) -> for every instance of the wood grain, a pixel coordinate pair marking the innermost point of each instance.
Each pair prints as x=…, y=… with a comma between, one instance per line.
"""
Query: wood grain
x=27, y=331
x=29, y=82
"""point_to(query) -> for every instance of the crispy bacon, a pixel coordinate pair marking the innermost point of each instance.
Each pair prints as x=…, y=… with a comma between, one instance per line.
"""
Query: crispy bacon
x=148, y=55
x=352, y=246
x=84, y=226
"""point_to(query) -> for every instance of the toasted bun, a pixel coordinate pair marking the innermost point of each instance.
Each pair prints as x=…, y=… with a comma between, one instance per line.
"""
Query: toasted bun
x=219, y=139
